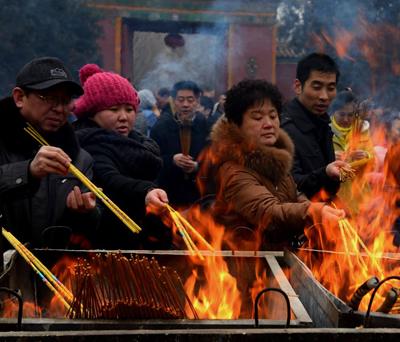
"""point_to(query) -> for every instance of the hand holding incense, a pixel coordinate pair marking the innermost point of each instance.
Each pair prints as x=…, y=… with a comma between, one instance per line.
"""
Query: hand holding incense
x=88, y=183
x=184, y=227
x=346, y=174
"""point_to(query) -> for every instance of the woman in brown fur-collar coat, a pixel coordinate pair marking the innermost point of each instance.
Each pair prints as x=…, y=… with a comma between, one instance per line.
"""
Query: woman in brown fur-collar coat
x=254, y=158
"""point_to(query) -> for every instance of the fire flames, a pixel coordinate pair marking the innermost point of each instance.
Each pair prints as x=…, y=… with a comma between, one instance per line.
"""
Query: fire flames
x=218, y=296
x=217, y=289
x=343, y=257
x=351, y=258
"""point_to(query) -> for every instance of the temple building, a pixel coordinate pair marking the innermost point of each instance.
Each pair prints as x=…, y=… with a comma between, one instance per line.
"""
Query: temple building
x=215, y=43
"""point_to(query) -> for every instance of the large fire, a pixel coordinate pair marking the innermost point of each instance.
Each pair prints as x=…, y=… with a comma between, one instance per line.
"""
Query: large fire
x=344, y=258
x=216, y=289
x=217, y=295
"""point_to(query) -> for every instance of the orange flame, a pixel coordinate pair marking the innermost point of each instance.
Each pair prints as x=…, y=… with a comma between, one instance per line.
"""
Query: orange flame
x=341, y=43
x=356, y=252
x=10, y=309
x=368, y=41
x=215, y=293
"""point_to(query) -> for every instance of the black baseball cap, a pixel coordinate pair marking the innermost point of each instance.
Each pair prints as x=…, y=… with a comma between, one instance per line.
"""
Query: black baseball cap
x=45, y=72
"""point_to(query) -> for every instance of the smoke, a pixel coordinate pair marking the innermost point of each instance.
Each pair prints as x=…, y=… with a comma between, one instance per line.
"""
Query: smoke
x=203, y=58
x=363, y=36
x=198, y=60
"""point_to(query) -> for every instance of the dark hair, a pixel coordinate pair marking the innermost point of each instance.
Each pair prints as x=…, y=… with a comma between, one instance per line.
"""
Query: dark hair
x=247, y=94
x=26, y=90
x=186, y=85
x=316, y=62
x=342, y=98
x=207, y=87
x=206, y=102
x=163, y=92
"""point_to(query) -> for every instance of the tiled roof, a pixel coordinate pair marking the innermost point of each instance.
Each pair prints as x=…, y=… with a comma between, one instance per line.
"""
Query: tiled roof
x=283, y=51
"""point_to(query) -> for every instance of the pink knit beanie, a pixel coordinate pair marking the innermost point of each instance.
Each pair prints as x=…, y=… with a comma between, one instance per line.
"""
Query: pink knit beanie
x=103, y=90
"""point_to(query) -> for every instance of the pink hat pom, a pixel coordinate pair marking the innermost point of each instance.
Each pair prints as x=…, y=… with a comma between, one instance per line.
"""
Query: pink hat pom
x=88, y=70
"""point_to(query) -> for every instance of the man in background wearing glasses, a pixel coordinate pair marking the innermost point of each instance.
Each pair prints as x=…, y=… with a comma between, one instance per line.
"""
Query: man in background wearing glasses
x=36, y=189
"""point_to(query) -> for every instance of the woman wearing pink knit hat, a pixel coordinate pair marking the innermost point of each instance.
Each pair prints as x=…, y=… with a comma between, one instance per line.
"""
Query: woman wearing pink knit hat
x=126, y=163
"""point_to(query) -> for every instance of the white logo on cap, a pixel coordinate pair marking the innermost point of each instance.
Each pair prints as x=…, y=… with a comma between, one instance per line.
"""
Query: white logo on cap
x=57, y=72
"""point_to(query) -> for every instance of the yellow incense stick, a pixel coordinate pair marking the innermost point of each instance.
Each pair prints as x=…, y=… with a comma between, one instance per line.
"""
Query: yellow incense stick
x=43, y=269
x=355, y=237
x=355, y=248
x=360, y=162
x=48, y=281
x=132, y=225
x=191, y=228
x=185, y=235
x=361, y=242
x=346, y=248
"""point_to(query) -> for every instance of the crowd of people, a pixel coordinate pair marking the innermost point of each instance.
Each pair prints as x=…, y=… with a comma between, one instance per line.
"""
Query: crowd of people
x=267, y=166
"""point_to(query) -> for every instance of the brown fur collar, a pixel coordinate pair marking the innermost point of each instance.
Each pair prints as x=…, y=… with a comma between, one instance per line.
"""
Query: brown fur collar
x=272, y=162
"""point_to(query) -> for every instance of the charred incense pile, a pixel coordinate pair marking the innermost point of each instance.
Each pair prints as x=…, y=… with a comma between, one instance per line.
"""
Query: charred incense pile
x=114, y=286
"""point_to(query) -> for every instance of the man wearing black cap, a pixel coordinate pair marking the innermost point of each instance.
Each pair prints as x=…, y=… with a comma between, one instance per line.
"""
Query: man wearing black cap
x=36, y=190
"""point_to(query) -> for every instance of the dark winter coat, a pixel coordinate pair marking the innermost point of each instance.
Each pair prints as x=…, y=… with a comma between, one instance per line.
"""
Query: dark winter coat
x=181, y=187
x=255, y=188
x=125, y=167
x=312, y=137
x=29, y=205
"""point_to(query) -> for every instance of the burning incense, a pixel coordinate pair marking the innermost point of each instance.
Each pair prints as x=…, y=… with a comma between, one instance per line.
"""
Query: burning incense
x=346, y=174
x=360, y=162
x=191, y=228
x=114, y=286
x=42, y=271
x=342, y=233
x=183, y=226
x=92, y=187
x=346, y=227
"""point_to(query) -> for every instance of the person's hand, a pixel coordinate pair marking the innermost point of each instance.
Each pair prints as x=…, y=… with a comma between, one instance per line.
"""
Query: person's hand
x=156, y=199
x=186, y=163
x=333, y=169
x=191, y=168
x=325, y=214
x=330, y=215
x=49, y=159
x=81, y=202
x=358, y=154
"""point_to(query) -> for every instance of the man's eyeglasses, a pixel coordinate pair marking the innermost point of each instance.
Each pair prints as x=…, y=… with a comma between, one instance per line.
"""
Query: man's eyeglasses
x=54, y=101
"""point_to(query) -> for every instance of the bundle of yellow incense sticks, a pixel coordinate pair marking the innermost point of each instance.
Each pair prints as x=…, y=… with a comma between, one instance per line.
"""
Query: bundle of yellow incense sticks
x=360, y=162
x=184, y=226
x=346, y=174
x=92, y=187
x=349, y=233
x=350, y=173
x=51, y=281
